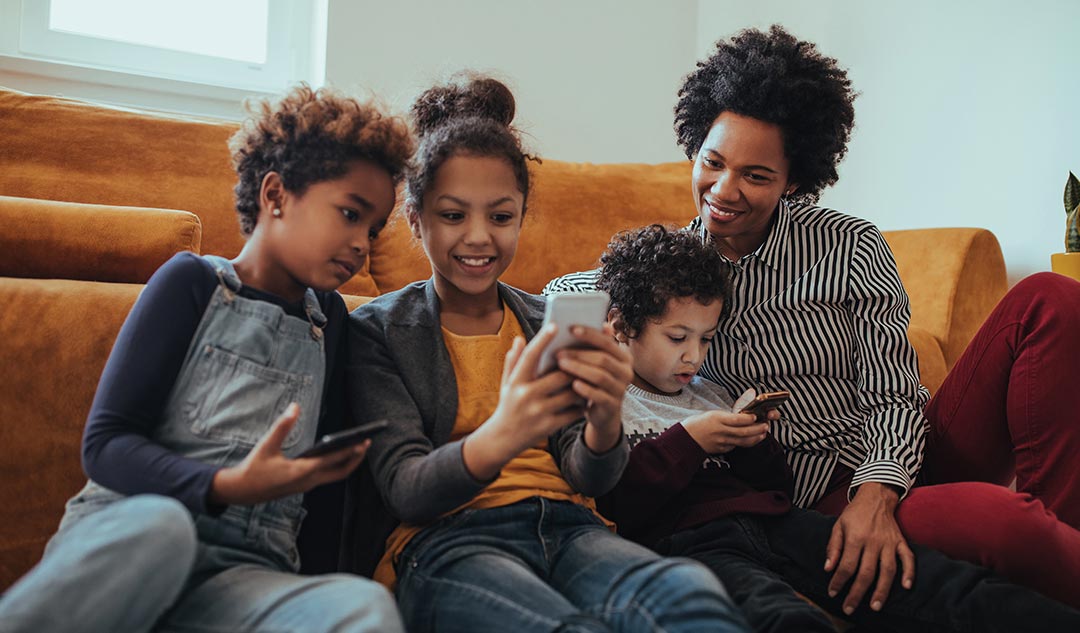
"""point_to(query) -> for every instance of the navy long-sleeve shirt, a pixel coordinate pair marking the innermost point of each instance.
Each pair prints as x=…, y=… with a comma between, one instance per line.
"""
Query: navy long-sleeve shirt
x=146, y=359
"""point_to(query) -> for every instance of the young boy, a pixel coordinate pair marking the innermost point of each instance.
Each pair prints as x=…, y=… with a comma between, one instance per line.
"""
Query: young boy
x=711, y=484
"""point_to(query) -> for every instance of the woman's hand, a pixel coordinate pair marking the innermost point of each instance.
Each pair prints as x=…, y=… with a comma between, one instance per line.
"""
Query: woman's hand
x=530, y=409
x=865, y=543
x=267, y=474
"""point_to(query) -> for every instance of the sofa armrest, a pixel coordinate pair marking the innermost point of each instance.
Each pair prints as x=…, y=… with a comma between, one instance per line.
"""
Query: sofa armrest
x=954, y=278
x=66, y=240
x=52, y=359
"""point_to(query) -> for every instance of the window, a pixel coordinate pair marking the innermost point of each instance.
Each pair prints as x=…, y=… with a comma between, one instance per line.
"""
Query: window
x=250, y=45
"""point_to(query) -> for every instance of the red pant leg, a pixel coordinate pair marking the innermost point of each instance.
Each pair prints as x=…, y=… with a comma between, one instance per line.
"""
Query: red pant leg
x=1012, y=533
x=1013, y=398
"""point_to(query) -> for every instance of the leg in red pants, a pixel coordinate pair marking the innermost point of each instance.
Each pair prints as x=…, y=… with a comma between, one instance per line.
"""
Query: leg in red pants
x=1011, y=404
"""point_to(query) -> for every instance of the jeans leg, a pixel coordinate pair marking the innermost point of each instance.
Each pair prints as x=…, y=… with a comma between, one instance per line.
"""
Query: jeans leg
x=737, y=551
x=117, y=569
x=484, y=570
x=255, y=598
x=632, y=588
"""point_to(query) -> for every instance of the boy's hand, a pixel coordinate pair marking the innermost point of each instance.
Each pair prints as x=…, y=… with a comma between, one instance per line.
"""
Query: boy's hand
x=267, y=474
x=720, y=431
x=601, y=373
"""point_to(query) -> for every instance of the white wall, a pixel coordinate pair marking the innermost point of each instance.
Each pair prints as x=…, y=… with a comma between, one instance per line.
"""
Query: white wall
x=969, y=113
x=595, y=80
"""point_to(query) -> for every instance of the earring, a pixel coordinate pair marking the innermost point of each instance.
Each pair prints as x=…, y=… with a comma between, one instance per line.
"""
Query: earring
x=276, y=212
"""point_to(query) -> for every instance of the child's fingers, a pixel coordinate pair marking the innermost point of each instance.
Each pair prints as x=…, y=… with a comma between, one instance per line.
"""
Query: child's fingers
x=512, y=357
x=275, y=437
x=527, y=363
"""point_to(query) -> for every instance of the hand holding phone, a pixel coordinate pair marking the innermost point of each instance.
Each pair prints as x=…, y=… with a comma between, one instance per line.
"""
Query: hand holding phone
x=569, y=309
x=762, y=402
x=343, y=439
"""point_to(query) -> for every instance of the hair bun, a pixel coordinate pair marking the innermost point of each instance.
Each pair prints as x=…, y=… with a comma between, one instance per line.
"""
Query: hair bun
x=468, y=96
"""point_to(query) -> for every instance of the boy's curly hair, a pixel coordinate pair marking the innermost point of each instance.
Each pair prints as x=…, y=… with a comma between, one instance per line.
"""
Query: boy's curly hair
x=310, y=136
x=778, y=79
x=642, y=269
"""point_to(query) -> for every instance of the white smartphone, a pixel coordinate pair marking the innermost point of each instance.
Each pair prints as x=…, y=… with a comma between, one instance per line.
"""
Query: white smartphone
x=568, y=309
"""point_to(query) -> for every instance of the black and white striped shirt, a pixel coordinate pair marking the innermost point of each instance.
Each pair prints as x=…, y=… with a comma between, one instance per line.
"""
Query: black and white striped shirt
x=818, y=309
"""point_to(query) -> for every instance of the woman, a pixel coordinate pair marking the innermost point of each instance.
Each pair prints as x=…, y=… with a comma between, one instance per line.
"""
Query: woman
x=818, y=309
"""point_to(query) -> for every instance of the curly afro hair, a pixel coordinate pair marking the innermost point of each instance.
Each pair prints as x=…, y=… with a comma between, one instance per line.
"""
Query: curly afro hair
x=310, y=136
x=470, y=115
x=775, y=78
x=642, y=269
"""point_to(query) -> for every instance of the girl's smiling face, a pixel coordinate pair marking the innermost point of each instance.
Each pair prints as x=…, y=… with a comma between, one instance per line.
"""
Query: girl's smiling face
x=469, y=226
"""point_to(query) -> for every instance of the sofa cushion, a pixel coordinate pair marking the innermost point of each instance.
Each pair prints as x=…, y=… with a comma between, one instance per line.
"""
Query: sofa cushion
x=57, y=335
x=67, y=240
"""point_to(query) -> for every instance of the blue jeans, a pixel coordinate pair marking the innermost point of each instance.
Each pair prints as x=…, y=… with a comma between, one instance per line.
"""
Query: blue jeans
x=765, y=560
x=542, y=565
x=138, y=565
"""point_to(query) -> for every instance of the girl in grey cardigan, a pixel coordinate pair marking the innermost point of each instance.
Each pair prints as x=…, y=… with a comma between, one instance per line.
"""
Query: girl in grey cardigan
x=489, y=467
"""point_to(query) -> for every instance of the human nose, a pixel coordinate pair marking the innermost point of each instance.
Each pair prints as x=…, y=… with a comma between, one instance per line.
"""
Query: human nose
x=691, y=355
x=476, y=231
x=361, y=242
x=725, y=187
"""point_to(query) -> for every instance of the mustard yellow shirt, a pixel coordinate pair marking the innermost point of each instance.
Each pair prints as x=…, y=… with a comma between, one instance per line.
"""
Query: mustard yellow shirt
x=478, y=364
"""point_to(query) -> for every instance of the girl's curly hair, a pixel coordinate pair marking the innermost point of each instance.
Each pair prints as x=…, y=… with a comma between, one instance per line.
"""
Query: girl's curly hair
x=310, y=136
x=778, y=79
x=642, y=269
x=470, y=115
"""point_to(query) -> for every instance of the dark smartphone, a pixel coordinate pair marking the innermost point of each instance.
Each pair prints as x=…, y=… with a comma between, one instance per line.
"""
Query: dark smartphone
x=761, y=404
x=341, y=439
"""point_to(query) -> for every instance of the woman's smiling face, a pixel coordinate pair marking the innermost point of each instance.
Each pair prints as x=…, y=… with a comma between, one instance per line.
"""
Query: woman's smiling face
x=740, y=173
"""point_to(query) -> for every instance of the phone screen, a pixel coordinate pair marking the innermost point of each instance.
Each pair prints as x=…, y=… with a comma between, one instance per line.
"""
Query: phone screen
x=568, y=309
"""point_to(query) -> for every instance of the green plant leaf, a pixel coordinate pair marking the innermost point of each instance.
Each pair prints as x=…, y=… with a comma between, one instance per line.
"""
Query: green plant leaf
x=1072, y=231
x=1072, y=193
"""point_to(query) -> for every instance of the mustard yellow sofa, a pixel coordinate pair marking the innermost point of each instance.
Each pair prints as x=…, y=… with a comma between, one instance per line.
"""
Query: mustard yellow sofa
x=94, y=198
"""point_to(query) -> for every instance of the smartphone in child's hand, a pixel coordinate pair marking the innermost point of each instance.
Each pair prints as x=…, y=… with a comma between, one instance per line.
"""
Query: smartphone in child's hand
x=569, y=309
x=342, y=439
x=762, y=402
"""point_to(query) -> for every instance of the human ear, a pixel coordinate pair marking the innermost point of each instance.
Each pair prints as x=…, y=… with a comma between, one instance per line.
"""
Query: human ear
x=791, y=188
x=272, y=193
x=412, y=216
x=615, y=318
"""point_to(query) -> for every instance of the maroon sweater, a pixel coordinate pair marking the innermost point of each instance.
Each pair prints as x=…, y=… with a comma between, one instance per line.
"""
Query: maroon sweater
x=668, y=486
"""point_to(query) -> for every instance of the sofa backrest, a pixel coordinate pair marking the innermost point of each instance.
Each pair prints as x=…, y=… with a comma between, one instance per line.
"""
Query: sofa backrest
x=45, y=239
x=54, y=148
x=573, y=210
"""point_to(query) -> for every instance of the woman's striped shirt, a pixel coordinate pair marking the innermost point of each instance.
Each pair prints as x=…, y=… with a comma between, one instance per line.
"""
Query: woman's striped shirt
x=818, y=309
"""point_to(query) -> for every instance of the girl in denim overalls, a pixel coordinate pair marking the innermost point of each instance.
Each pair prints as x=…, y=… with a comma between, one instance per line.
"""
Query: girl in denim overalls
x=490, y=468
x=224, y=372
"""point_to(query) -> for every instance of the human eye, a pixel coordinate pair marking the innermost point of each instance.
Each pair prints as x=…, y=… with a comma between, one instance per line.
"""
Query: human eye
x=676, y=339
x=757, y=178
x=502, y=217
x=373, y=233
x=351, y=215
x=452, y=216
x=710, y=162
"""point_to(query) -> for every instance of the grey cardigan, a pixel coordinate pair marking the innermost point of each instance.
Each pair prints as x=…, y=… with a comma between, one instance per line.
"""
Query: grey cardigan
x=400, y=370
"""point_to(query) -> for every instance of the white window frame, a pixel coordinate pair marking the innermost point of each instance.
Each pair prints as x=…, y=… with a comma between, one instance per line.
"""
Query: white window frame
x=33, y=54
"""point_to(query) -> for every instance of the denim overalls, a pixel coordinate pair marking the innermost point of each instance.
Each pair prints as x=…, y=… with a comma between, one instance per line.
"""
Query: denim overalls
x=246, y=362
